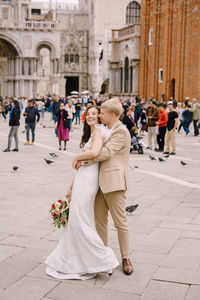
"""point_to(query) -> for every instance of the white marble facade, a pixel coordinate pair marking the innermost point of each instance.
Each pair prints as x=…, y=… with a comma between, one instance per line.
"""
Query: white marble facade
x=37, y=64
x=67, y=47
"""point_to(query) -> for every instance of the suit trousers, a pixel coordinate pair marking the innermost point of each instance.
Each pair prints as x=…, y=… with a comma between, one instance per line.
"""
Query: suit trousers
x=115, y=202
x=152, y=135
x=170, y=138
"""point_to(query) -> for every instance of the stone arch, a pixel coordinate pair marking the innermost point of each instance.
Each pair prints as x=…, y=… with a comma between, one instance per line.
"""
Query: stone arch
x=45, y=44
x=13, y=42
x=105, y=87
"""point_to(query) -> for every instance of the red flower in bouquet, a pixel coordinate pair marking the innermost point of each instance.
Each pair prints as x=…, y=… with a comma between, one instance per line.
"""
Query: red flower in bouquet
x=60, y=212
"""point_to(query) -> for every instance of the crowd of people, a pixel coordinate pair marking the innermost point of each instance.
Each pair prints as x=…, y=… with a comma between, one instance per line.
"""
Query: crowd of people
x=161, y=120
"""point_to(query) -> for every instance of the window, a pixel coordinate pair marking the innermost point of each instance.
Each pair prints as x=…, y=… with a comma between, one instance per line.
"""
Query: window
x=126, y=73
x=5, y=13
x=36, y=12
x=71, y=55
x=66, y=58
x=150, y=36
x=133, y=13
x=160, y=75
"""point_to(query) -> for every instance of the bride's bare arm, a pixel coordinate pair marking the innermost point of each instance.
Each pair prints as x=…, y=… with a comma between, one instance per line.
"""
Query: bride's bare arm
x=97, y=144
x=69, y=191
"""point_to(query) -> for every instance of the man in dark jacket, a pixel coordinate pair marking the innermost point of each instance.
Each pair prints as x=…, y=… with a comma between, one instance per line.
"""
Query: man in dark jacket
x=55, y=108
x=31, y=112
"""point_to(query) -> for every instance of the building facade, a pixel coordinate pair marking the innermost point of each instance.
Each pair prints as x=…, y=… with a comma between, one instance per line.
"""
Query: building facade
x=169, y=49
x=42, y=50
x=106, y=51
x=124, y=62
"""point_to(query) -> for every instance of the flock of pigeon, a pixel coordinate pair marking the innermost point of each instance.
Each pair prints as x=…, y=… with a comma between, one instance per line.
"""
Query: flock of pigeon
x=163, y=160
x=129, y=209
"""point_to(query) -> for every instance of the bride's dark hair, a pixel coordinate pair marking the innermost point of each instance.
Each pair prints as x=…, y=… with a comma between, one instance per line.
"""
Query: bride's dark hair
x=86, y=127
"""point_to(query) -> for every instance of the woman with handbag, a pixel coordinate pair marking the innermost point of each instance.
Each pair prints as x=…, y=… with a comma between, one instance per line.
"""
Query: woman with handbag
x=62, y=126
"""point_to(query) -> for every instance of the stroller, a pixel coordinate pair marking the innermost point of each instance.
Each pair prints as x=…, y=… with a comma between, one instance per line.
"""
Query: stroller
x=136, y=145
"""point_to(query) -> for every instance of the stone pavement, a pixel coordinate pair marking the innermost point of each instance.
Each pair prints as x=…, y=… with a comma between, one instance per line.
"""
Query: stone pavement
x=164, y=230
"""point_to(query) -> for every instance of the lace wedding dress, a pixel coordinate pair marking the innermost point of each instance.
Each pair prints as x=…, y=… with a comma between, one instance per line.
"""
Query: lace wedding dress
x=80, y=253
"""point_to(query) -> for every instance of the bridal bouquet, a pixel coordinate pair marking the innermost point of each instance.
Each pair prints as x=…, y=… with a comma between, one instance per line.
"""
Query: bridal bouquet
x=60, y=212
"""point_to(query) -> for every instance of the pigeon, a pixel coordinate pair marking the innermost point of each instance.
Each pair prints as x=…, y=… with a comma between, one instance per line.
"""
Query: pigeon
x=15, y=168
x=53, y=155
x=49, y=161
x=44, y=126
x=161, y=159
x=136, y=167
x=152, y=157
x=183, y=163
x=131, y=208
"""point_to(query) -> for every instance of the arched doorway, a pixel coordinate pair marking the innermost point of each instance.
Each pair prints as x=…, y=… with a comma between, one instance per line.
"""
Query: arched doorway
x=173, y=88
x=47, y=68
x=105, y=87
x=8, y=55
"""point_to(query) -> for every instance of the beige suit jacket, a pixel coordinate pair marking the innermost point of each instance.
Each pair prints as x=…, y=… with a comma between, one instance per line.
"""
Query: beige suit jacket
x=114, y=158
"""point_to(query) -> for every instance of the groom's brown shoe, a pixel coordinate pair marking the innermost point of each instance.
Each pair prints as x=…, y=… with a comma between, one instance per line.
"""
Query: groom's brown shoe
x=127, y=266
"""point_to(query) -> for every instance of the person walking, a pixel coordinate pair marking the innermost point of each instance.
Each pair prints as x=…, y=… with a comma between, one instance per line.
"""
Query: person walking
x=14, y=118
x=172, y=124
x=71, y=111
x=179, y=111
x=187, y=119
x=162, y=125
x=62, y=126
x=78, y=112
x=153, y=116
x=195, y=115
x=31, y=112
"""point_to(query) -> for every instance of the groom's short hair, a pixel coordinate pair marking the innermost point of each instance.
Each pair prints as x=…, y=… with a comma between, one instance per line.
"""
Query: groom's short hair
x=113, y=105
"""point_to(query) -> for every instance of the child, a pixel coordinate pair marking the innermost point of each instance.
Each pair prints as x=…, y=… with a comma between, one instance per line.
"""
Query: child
x=62, y=126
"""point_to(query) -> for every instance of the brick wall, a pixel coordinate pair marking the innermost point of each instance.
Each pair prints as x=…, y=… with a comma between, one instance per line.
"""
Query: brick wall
x=175, y=49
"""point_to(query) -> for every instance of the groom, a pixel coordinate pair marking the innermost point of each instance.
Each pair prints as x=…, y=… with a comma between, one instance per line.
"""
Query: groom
x=113, y=176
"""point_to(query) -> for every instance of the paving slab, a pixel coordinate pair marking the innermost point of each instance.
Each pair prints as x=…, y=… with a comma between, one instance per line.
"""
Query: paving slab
x=187, y=247
x=157, y=290
x=28, y=288
x=74, y=291
x=134, y=284
x=193, y=293
x=164, y=230
x=178, y=275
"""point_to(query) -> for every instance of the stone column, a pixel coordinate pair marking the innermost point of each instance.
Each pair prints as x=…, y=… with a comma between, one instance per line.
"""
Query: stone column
x=22, y=88
x=16, y=88
x=30, y=91
x=9, y=67
x=135, y=80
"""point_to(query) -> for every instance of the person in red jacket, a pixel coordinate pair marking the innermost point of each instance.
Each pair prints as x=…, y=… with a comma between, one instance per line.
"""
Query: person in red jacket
x=162, y=124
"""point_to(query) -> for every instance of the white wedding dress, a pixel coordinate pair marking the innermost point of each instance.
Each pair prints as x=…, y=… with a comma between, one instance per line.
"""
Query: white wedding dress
x=80, y=253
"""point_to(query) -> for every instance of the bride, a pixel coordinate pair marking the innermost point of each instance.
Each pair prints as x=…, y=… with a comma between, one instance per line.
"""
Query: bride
x=81, y=253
